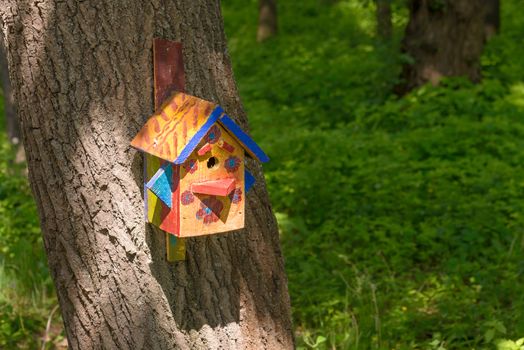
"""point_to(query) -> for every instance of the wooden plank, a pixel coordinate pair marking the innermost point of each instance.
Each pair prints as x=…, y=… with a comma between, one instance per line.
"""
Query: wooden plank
x=153, y=205
x=169, y=77
x=169, y=69
x=221, y=187
x=158, y=213
x=247, y=142
x=162, y=183
x=176, y=248
x=171, y=221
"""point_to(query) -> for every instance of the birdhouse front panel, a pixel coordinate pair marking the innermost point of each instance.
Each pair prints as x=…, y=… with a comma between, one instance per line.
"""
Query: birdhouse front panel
x=212, y=186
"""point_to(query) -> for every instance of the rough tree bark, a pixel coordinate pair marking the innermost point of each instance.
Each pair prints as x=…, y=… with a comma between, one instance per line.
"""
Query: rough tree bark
x=82, y=76
x=492, y=18
x=443, y=38
x=384, y=25
x=267, y=19
x=12, y=125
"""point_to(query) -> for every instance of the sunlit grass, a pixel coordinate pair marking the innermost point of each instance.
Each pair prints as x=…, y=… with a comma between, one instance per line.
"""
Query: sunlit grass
x=400, y=219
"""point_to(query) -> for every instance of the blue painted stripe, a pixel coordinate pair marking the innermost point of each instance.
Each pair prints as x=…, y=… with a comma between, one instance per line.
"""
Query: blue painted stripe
x=249, y=180
x=161, y=184
x=158, y=173
x=145, y=188
x=191, y=145
x=244, y=139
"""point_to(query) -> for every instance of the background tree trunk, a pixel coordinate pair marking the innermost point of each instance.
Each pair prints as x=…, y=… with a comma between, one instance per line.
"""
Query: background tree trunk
x=492, y=18
x=443, y=38
x=82, y=77
x=384, y=25
x=13, y=128
x=267, y=19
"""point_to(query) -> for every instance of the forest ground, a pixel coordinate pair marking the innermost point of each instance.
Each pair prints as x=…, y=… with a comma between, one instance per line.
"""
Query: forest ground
x=401, y=219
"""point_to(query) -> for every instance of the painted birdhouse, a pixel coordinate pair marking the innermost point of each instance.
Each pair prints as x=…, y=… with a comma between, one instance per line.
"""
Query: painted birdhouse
x=195, y=181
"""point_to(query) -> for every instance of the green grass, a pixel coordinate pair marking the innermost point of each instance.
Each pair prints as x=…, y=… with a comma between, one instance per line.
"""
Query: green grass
x=402, y=220
x=26, y=291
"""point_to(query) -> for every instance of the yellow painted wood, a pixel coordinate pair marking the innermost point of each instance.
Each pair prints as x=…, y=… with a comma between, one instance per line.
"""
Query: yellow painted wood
x=154, y=204
x=176, y=248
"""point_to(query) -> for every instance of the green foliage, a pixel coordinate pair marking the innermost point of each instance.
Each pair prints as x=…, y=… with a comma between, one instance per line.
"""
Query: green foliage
x=401, y=218
x=26, y=291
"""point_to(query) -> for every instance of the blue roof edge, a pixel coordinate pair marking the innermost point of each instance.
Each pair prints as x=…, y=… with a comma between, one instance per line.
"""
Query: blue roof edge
x=191, y=145
x=246, y=141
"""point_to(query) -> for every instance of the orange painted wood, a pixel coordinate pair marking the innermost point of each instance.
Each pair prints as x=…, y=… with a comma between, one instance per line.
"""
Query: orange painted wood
x=167, y=133
x=214, y=187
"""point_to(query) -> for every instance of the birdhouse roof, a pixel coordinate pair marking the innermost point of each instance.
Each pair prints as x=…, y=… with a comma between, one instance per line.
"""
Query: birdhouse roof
x=175, y=130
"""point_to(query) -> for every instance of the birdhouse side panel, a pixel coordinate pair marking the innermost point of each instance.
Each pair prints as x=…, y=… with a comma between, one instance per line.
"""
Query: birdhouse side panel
x=216, y=166
x=157, y=212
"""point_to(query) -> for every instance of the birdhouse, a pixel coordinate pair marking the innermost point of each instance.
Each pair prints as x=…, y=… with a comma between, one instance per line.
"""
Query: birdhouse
x=195, y=178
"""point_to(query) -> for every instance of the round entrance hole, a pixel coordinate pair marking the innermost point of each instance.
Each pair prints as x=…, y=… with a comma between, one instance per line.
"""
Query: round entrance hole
x=212, y=162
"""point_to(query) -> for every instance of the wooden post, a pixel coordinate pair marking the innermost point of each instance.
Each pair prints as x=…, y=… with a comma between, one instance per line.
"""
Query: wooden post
x=169, y=77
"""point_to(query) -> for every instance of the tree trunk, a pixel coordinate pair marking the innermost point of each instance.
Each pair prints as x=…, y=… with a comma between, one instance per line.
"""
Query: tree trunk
x=13, y=128
x=444, y=38
x=267, y=19
x=82, y=76
x=384, y=25
x=492, y=18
